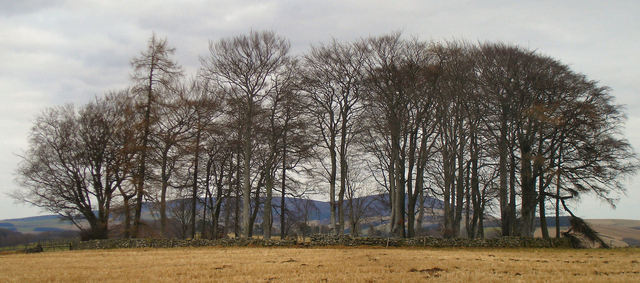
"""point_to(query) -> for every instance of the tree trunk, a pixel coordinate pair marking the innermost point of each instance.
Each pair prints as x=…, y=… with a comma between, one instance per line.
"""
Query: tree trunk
x=411, y=217
x=512, y=197
x=267, y=216
x=418, y=194
x=343, y=167
x=207, y=197
x=332, y=185
x=467, y=206
x=163, y=197
x=352, y=217
x=227, y=211
x=236, y=215
x=208, y=200
x=528, y=200
x=411, y=195
x=246, y=169
x=448, y=184
x=227, y=215
x=97, y=227
x=254, y=212
x=398, y=229
x=343, y=186
x=283, y=204
x=127, y=217
x=392, y=194
x=481, y=213
x=194, y=189
x=421, y=199
x=505, y=220
x=215, y=217
x=459, y=195
x=475, y=185
x=558, y=184
x=542, y=198
x=143, y=157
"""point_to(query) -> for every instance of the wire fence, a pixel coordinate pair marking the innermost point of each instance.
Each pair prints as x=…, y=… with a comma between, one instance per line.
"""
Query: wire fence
x=42, y=246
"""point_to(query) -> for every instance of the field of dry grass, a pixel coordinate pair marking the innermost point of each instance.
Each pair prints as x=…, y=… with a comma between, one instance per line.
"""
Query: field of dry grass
x=324, y=265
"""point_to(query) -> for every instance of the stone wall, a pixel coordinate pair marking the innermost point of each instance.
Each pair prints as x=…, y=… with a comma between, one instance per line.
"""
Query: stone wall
x=504, y=242
x=329, y=240
x=174, y=243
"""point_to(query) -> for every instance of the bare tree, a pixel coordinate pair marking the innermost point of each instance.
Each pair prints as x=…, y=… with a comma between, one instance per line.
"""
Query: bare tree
x=333, y=79
x=123, y=135
x=359, y=203
x=277, y=123
x=154, y=73
x=400, y=79
x=74, y=164
x=243, y=66
x=296, y=149
x=171, y=132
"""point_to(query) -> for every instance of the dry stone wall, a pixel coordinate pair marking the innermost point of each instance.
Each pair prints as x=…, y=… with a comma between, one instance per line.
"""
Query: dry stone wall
x=175, y=243
x=504, y=242
x=330, y=240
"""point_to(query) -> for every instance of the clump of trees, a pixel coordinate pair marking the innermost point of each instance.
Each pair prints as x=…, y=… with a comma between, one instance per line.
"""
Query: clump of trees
x=489, y=129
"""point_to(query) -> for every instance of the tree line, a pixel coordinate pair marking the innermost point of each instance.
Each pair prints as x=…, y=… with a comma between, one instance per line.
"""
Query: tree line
x=490, y=129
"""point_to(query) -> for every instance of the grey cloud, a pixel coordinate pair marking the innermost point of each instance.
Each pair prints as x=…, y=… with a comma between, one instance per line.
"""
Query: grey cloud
x=56, y=52
x=21, y=7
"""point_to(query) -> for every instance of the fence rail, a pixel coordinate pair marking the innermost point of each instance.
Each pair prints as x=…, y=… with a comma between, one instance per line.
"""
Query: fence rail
x=42, y=246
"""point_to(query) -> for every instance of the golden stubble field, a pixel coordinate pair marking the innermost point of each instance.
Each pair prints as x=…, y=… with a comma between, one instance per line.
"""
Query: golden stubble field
x=324, y=265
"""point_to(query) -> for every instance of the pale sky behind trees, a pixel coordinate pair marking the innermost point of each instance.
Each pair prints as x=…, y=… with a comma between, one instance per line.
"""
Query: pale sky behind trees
x=54, y=52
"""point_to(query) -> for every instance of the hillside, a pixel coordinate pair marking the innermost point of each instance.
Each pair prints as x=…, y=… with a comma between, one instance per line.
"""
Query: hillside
x=618, y=232
x=36, y=224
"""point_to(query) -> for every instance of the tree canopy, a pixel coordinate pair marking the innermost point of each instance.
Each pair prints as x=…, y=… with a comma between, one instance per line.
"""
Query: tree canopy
x=488, y=129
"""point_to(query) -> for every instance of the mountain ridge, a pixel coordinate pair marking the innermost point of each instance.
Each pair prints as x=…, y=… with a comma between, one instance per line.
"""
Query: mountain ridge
x=621, y=232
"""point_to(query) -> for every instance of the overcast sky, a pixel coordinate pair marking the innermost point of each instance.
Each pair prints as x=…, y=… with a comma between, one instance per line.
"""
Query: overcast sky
x=57, y=52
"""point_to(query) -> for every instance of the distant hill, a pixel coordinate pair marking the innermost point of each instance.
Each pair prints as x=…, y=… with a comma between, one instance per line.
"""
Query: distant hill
x=36, y=224
x=8, y=227
x=319, y=213
x=617, y=231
